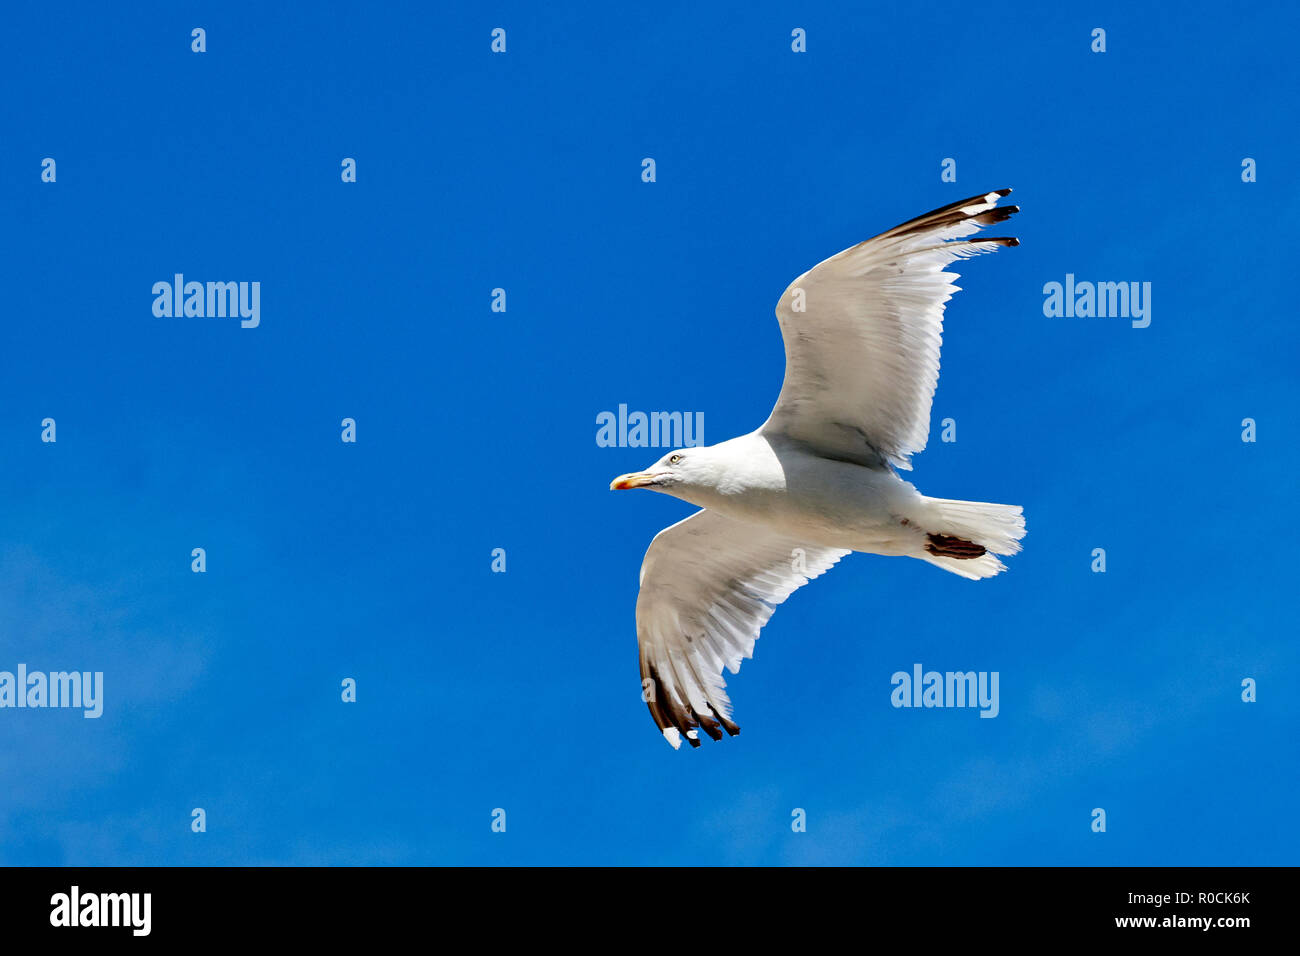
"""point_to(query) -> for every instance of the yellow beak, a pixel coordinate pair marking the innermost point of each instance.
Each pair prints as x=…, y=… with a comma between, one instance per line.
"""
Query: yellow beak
x=637, y=479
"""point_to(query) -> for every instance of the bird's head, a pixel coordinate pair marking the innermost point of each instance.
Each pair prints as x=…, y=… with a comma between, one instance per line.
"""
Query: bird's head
x=672, y=474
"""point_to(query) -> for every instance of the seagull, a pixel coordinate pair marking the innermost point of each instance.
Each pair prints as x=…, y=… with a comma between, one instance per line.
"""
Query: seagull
x=818, y=480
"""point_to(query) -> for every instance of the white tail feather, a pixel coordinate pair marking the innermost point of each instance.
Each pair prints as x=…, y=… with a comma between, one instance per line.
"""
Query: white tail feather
x=997, y=528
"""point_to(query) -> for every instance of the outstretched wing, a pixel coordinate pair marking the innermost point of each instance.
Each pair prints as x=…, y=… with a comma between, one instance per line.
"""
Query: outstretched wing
x=862, y=333
x=708, y=585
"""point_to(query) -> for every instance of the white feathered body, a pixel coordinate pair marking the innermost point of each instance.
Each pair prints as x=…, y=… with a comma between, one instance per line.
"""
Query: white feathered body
x=780, y=484
x=832, y=503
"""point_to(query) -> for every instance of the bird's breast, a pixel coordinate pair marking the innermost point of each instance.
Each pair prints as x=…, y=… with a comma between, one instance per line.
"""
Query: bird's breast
x=821, y=501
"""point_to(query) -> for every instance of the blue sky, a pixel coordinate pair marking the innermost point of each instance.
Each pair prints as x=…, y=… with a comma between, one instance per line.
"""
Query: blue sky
x=476, y=430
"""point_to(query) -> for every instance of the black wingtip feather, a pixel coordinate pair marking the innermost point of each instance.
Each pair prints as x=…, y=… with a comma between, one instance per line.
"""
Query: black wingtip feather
x=710, y=725
x=999, y=214
x=682, y=717
x=950, y=214
x=730, y=727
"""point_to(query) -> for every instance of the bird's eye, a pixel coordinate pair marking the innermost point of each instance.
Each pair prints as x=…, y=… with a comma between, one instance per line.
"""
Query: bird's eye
x=674, y=459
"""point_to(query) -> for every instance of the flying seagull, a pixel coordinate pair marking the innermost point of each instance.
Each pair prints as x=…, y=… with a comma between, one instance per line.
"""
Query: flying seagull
x=817, y=480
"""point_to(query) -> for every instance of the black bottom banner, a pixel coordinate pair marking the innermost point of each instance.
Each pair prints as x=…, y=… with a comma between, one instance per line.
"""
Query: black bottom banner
x=1168, y=907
